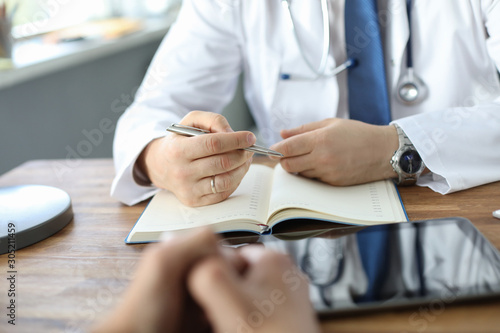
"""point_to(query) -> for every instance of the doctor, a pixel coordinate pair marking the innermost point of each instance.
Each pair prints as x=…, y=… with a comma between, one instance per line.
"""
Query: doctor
x=288, y=52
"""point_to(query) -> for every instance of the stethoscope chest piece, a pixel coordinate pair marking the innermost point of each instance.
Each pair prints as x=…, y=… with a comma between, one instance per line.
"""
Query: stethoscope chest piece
x=411, y=89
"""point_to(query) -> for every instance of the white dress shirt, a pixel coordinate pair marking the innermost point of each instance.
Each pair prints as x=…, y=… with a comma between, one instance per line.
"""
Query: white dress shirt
x=456, y=52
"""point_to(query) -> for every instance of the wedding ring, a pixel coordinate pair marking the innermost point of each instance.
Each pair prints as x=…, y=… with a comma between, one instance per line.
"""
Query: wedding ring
x=212, y=185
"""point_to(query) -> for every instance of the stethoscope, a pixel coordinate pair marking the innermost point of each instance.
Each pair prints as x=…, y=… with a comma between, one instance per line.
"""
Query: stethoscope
x=410, y=88
x=319, y=72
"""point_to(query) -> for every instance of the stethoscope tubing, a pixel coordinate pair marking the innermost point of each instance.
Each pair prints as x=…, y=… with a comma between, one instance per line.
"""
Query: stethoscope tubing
x=408, y=79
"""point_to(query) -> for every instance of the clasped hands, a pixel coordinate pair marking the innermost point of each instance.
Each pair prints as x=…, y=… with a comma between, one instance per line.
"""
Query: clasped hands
x=191, y=284
x=207, y=169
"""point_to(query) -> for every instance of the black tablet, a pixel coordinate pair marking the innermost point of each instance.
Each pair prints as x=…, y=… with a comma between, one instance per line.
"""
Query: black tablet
x=433, y=263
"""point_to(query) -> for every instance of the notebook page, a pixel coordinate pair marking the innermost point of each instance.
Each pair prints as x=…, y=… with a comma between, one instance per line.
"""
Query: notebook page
x=249, y=202
x=373, y=201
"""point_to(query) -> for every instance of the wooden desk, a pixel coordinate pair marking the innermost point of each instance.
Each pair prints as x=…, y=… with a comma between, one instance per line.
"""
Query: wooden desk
x=68, y=281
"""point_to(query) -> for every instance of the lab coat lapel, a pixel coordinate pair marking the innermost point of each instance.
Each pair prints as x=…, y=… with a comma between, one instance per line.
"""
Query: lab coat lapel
x=262, y=33
x=397, y=34
x=270, y=77
x=284, y=52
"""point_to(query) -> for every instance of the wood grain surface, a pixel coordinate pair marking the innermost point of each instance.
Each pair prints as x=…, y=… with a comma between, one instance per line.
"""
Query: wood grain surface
x=68, y=281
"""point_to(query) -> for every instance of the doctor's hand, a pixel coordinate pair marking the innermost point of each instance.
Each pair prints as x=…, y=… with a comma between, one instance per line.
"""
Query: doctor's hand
x=189, y=166
x=339, y=151
x=271, y=295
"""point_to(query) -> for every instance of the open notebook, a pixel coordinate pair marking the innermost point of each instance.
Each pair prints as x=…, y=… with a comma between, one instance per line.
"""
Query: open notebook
x=270, y=196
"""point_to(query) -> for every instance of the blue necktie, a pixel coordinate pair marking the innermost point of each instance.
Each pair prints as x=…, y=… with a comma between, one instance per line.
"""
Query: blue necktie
x=368, y=100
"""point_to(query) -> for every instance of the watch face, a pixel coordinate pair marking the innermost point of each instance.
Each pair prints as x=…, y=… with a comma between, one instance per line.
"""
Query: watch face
x=410, y=161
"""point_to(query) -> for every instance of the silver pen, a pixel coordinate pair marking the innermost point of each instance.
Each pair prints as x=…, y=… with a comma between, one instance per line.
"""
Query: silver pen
x=193, y=131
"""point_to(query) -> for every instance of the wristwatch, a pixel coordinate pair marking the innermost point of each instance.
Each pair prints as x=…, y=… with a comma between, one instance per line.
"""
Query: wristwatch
x=406, y=161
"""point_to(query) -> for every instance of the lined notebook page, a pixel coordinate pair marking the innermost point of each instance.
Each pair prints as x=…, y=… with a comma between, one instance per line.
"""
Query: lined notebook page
x=376, y=201
x=248, y=202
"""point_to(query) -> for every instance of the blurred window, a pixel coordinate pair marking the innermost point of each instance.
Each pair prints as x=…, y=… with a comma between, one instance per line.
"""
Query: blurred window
x=33, y=17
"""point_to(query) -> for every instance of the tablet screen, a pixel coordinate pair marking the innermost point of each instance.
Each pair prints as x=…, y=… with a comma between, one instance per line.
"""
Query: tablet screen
x=436, y=262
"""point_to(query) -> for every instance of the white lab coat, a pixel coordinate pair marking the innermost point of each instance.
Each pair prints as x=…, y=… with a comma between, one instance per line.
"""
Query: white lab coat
x=456, y=52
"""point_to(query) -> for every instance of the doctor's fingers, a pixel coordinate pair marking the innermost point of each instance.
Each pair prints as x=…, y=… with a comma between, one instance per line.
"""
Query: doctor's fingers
x=224, y=184
x=217, y=143
x=300, y=164
x=318, y=164
x=209, y=121
x=296, y=146
x=287, y=133
x=221, y=163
